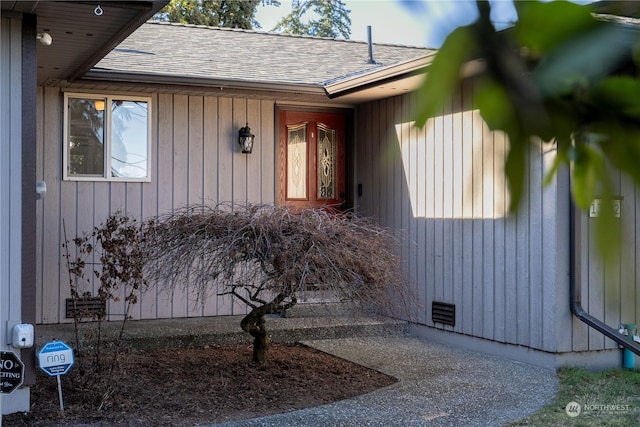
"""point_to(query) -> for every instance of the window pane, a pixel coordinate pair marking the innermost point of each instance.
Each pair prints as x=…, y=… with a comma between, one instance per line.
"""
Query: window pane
x=326, y=163
x=297, y=162
x=86, y=137
x=129, y=139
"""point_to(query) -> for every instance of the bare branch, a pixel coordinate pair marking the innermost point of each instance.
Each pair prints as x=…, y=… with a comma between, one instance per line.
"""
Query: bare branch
x=273, y=254
x=272, y=249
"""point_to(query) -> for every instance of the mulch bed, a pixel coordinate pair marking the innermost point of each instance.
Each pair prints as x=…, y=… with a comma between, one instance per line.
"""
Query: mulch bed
x=187, y=387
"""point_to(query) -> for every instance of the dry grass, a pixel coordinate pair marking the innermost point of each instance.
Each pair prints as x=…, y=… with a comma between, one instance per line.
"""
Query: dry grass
x=608, y=398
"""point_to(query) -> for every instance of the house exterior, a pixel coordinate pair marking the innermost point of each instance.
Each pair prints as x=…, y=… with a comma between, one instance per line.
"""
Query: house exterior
x=196, y=100
x=506, y=274
x=153, y=126
x=81, y=36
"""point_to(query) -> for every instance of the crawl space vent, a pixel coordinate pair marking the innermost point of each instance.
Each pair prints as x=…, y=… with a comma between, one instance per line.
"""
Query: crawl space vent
x=442, y=312
x=86, y=307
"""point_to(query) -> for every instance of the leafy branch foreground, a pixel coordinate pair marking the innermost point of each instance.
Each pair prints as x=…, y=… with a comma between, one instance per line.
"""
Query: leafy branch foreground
x=573, y=84
x=262, y=256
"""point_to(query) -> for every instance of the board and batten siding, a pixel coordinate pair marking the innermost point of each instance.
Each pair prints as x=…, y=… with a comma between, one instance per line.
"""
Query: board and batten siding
x=444, y=186
x=195, y=158
x=610, y=292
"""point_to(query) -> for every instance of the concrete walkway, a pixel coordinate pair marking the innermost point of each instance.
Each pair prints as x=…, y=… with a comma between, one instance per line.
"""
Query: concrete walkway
x=439, y=386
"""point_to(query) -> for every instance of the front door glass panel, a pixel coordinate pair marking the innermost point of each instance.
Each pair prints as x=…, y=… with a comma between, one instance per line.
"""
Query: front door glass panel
x=326, y=162
x=297, y=162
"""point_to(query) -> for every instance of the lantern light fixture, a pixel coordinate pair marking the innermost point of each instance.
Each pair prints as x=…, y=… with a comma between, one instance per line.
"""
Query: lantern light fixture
x=246, y=139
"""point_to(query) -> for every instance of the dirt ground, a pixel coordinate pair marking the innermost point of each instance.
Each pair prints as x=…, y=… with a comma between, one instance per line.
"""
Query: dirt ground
x=191, y=387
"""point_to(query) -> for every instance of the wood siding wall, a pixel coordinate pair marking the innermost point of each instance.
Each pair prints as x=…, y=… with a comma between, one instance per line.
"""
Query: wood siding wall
x=610, y=292
x=506, y=274
x=444, y=186
x=195, y=157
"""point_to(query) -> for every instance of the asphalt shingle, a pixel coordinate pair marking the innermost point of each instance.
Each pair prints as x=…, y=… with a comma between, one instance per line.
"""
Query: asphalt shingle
x=252, y=56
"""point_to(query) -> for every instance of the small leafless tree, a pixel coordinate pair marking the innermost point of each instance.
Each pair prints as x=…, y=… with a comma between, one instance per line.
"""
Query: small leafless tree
x=105, y=266
x=265, y=256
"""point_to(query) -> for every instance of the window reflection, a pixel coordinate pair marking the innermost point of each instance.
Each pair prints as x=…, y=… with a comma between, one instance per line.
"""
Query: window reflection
x=86, y=137
x=129, y=139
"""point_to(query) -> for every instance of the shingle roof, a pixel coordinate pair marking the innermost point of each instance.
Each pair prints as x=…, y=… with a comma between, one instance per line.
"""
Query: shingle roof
x=221, y=53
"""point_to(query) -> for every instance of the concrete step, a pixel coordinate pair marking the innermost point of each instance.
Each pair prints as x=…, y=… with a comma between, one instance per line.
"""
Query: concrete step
x=323, y=309
x=221, y=330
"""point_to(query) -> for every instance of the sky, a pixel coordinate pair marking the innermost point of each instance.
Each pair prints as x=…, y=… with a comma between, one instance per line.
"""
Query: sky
x=423, y=23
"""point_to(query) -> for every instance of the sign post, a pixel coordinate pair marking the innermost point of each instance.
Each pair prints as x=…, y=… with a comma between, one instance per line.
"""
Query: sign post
x=56, y=358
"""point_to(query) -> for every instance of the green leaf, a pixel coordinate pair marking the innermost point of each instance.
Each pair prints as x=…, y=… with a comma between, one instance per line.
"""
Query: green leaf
x=560, y=159
x=588, y=171
x=495, y=105
x=607, y=226
x=622, y=147
x=619, y=94
x=585, y=58
x=542, y=26
x=443, y=77
x=514, y=168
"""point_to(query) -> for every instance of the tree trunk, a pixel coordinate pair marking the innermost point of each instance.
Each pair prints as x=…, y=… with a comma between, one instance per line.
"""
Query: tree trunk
x=254, y=323
x=261, y=342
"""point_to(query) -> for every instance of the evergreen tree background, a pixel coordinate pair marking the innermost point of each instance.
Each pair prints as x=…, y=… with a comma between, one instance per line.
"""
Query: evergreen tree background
x=214, y=13
x=332, y=21
x=321, y=18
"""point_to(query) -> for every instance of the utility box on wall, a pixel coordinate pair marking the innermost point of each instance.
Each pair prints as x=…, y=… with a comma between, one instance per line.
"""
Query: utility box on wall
x=22, y=335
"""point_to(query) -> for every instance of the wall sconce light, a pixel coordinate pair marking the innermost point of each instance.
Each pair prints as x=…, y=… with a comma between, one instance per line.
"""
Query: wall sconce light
x=45, y=38
x=246, y=139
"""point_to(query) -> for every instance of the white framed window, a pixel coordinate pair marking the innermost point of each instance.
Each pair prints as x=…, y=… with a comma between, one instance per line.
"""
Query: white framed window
x=106, y=138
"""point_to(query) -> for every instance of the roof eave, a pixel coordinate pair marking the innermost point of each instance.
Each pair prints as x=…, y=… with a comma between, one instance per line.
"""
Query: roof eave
x=163, y=79
x=379, y=76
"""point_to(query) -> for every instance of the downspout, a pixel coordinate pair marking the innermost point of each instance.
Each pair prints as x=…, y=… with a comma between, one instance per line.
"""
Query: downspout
x=575, y=284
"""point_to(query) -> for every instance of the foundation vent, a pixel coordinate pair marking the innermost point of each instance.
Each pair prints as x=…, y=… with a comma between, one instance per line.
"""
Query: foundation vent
x=85, y=308
x=442, y=312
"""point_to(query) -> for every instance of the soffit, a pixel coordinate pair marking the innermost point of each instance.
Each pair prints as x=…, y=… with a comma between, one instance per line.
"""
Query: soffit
x=81, y=37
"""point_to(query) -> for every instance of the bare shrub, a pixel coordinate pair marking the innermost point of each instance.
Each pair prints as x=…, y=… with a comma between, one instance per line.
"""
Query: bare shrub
x=265, y=256
x=111, y=256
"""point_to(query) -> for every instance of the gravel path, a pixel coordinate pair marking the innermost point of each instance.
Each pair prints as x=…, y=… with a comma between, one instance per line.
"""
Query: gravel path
x=439, y=386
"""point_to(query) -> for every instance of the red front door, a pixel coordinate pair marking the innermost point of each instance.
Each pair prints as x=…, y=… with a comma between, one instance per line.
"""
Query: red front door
x=312, y=160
